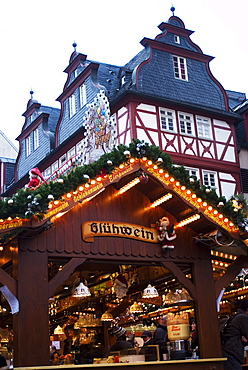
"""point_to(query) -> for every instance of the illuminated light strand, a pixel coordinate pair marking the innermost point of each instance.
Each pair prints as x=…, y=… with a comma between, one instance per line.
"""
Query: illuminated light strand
x=188, y=220
x=93, y=196
x=192, y=198
x=129, y=186
x=161, y=200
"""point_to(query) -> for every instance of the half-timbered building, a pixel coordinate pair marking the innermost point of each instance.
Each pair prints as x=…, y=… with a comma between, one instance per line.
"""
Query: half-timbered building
x=129, y=145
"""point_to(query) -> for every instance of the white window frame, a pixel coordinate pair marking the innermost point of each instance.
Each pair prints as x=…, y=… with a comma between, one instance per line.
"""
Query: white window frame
x=209, y=178
x=186, y=123
x=47, y=172
x=55, y=166
x=177, y=39
x=167, y=119
x=71, y=153
x=82, y=95
x=79, y=147
x=36, y=138
x=72, y=105
x=180, y=68
x=28, y=145
x=193, y=172
x=203, y=127
x=62, y=159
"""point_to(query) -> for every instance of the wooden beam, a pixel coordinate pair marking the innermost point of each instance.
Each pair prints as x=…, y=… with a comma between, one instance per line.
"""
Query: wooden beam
x=63, y=274
x=7, y=280
x=181, y=277
x=230, y=274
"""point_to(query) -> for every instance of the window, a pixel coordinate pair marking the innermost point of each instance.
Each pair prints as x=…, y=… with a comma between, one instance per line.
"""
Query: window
x=79, y=147
x=47, y=172
x=33, y=116
x=62, y=160
x=209, y=179
x=192, y=172
x=36, y=138
x=167, y=119
x=71, y=152
x=28, y=146
x=177, y=39
x=180, y=68
x=82, y=95
x=72, y=105
x=186, y=123
x=55, y=166
x=203, y=127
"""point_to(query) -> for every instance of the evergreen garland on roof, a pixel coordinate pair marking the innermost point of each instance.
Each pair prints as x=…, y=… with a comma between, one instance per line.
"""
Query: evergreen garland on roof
x=27, y=203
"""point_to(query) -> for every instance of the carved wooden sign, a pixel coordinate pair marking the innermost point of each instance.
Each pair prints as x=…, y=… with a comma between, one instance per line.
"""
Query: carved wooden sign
x=91, y=229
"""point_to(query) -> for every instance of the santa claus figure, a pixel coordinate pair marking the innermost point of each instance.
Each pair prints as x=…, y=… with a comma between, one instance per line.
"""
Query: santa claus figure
x=35, y=178
x=166, y=233
x=120, y=286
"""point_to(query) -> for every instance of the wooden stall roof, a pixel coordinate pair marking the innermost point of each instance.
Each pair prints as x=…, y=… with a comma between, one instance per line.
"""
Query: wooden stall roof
x=104, y=205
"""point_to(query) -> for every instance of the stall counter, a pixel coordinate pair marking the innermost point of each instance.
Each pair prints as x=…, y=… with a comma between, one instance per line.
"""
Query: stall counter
x=199, y=364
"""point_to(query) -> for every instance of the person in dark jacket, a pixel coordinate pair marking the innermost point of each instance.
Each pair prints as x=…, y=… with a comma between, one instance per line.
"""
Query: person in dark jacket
x=147, y=341
x=121, y=342
x=160, y=336
x=235, y=338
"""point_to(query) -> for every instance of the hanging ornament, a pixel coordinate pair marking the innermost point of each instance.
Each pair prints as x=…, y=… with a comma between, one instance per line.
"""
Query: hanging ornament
x=60, y=181
x=191, y=180
x=109, y=162
x=159, y=160
x=85, y=176
x=127, y=153
x=143, y=178
x=10, y=202
x=50, y=197
x=220, y=204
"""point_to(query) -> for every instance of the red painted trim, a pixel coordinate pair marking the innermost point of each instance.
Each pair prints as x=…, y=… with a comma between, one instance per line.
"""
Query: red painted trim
x=219, y=85
x=75, y=63
x=68, y=91
x=176, y=50
x=77, y=82
x=31, y=109
x=32, y=126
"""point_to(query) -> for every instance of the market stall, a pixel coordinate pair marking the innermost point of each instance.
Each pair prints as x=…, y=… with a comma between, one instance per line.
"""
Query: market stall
x=107, y=229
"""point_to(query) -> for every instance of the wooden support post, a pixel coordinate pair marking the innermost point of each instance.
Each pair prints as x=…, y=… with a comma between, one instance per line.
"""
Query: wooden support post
x=206, y=314
x=31, y=324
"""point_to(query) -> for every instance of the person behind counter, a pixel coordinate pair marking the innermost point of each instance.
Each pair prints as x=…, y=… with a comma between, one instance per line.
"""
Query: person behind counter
x=160, y=336
x=72, y=339
x=147, y=341
x=147, y=338
x=193, y=337
x=235, y=337
x=121, y=342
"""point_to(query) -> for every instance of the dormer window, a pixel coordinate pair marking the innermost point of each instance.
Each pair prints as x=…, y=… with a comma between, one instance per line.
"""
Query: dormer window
x=36, y=138
x=33, y=116
x=28, y=146
x=176, y=39
x=72, y=105
x=82, y=95
x=180, y=68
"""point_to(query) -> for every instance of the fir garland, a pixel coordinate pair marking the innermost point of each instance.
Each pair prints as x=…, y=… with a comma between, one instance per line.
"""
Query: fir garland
x=27, y=203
